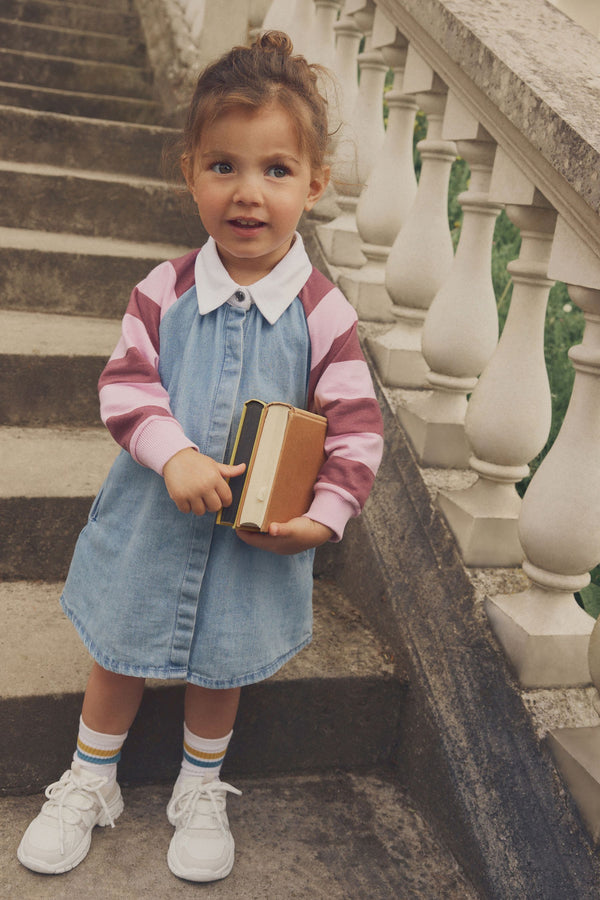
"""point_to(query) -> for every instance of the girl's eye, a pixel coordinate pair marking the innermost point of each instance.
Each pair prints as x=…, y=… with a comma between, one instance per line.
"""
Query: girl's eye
x=221, y=168
x=278, y=171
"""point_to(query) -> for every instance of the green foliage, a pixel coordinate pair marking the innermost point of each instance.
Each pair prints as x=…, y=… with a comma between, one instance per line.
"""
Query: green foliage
x=589, y=597
x=459, y=181
x=563, y=329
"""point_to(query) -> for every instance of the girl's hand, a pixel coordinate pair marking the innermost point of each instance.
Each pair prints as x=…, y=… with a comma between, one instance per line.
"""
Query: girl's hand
x=196, y=483
x=288, y=537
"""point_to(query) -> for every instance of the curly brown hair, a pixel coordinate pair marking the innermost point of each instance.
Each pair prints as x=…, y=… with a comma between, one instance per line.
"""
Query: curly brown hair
x=254, y=77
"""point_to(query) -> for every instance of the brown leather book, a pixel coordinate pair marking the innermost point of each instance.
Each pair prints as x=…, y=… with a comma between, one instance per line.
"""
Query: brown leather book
x=283, y=448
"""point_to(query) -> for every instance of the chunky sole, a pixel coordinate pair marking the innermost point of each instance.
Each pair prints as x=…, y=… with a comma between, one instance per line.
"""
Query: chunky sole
x=65, y=864
x=200, y=875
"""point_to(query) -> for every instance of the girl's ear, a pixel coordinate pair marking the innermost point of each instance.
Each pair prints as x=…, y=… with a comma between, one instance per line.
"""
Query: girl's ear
x=316, y=188
x=187, y=168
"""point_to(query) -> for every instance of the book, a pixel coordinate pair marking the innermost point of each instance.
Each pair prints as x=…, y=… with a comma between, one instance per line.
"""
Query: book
x=283, y=448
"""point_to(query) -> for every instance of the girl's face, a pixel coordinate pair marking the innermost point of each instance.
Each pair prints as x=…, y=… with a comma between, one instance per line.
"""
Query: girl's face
x=251, y=184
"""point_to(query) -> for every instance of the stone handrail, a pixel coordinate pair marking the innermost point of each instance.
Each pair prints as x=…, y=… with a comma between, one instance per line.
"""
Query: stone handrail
x=512, y=86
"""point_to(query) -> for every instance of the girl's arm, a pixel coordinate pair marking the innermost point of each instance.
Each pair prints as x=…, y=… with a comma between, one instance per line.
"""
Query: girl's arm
x=341, y=389
x=134, y=405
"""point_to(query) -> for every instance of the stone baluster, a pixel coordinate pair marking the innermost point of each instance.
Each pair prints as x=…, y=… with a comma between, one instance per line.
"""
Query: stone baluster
x=326, y=13
x=461, y=328
x=214, y=29
x=279, y=15
x=509, y=414
x=360, y=134
x=257, y=11
x=193, y=11
x=422, y=253
x=301, y=28
x=542, y=629
x=384, y=204
x=347, y=41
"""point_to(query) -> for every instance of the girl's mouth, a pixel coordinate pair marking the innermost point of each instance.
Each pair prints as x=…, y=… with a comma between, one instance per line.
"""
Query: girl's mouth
x=246, y=223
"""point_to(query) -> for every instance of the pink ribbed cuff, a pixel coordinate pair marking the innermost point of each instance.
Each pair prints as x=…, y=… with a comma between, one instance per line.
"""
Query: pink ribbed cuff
x=159, y=439
x=331, y=509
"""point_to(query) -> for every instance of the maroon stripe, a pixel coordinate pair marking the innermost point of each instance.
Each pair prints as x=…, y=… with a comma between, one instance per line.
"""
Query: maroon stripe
x=356, y=477
x=185, y=272
x=314, y=290
x=148, y=312
x=133, y=368
x=122, y=427
x=356, y=415
x=345, y=347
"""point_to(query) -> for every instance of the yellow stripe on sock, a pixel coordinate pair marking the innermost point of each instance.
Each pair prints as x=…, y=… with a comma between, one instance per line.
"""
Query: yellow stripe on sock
x=94, y=751
x=200, y=754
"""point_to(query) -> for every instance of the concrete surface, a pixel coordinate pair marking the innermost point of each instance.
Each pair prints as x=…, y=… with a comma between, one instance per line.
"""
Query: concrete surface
x=325, y=837
x=343, y=684
x=75, y=463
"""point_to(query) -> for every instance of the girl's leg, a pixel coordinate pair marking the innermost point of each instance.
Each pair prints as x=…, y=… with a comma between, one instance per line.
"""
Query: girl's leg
x=209, y=720
x=202, y=848
x=87, y=794
x=109, y=707
x=210, y=713
x=111, y=701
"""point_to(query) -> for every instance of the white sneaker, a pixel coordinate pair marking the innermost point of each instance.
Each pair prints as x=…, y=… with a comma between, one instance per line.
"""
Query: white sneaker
x=60, y=836
x=202, y=848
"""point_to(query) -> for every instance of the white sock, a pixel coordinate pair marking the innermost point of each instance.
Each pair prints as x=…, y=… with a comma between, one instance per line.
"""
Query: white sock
x=98, y=753
x=203, y=757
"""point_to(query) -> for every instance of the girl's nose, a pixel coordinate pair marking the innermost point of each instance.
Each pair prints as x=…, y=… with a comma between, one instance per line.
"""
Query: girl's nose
x=247, y=191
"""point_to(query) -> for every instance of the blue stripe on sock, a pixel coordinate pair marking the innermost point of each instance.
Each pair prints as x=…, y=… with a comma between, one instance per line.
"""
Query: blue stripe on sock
x=98, y=761
x=203, y=764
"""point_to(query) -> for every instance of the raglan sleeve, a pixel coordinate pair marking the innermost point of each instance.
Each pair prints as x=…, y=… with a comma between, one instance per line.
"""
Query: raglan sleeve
x=134, y=405
x=341, y=388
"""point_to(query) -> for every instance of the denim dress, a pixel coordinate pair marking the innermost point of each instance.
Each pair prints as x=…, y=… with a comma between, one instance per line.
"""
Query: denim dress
x=157, y=593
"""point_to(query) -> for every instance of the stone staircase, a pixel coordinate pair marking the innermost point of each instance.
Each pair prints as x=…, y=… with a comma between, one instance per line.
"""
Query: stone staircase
x=85, y=214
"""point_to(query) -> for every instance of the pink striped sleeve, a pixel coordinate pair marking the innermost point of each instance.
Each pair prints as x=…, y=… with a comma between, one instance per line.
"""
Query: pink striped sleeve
x=134, y=405
x=341, y=389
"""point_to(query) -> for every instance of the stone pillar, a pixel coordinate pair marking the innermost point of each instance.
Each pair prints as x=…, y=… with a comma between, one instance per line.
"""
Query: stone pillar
x=279, y=15
x=384, y=204
x=422, y=253
x=461, y=328
x=339, y=238
x=256, y=16
x=216, y=28
x=509, y=413
x=543, y=629
x=577, y=751
x=302, y=28
x=326, y=12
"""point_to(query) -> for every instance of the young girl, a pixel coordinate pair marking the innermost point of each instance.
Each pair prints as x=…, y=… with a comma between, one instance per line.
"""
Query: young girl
x=156, y=588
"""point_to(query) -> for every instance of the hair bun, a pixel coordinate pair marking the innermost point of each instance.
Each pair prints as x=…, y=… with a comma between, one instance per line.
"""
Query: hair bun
x=275, y=42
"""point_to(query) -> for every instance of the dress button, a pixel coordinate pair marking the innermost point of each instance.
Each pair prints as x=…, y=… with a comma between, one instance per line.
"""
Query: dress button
x=240, y=296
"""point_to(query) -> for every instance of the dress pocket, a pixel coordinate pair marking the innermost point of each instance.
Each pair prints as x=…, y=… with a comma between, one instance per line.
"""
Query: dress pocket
x=95, y=509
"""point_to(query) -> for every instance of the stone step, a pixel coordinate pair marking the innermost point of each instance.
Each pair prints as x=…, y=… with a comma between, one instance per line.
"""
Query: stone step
x=108, y=48
x=88, y=76
x=99, y=17
x=70, y=273
x=93, y=203
x=76, y=103
x=343, y=684
x=122, y=6
x=48, y=479
x=49, y=368
x=339, y=836
x=52, y=139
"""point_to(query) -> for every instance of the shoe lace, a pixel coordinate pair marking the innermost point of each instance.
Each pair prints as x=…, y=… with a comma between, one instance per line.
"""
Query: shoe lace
x=184, y=806
x=64, y=794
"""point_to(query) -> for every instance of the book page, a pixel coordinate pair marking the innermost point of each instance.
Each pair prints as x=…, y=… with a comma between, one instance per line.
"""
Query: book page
x=260, y=481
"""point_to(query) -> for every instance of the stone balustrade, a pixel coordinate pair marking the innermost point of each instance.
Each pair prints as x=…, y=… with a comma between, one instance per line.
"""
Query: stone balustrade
x=508, y=85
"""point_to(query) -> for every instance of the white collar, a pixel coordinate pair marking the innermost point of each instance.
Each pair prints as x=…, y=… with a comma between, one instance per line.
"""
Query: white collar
x=272, y=294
